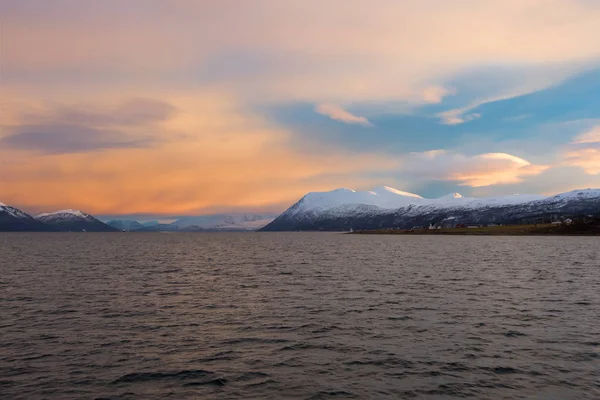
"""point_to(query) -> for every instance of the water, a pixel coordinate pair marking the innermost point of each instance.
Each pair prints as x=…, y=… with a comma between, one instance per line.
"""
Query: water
x=306, y=316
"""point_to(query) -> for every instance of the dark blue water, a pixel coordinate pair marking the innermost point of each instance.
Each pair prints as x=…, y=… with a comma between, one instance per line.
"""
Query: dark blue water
x=298, y=316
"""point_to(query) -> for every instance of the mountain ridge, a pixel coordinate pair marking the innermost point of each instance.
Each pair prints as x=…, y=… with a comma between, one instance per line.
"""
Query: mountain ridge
x=336, y=210
x=74, y=221
x=14, y=220
x=327, y=212
x=202, y=223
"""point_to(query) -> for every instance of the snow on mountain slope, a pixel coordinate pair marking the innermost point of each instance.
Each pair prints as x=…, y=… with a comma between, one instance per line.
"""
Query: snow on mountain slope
x=74, y=221
x=14, y=220
x=344, y=208
x=14, y=212
x=583, y=194
x=389, y=198
x=456, y=200
x=64, y=214
x=384, y=197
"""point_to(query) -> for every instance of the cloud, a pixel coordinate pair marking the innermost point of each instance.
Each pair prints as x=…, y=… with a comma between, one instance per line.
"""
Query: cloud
x=494, y=88
x=465, y=114
x=589, y=137
x=475, y=171
x=340, y=57
x=69, y=129
x=458, y=116
x=559, y=179
x=435, y=94
x=584, y=152
x=131, y=112
x=337, y=113
x=60, y=138
x=587, y=158
x=224, y=161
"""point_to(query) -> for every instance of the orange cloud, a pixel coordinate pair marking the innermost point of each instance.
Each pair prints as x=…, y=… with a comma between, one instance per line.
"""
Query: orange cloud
x=222, y=159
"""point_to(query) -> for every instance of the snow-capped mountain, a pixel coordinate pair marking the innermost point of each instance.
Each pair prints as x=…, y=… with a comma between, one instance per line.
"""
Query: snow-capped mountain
x=74, y=221
x=248, y=222
x=14, y=220
x=389, y=198
x=14, y=212
x=386, y=207
x=384, y=197
x=217, y=222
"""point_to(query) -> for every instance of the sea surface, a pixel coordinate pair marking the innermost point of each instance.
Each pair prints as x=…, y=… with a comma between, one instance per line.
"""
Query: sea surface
x=298, y=316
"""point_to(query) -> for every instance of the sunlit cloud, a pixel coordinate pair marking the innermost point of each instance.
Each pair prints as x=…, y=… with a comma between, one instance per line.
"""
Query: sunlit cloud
x=584, y=152
x=591, y=136
x=224, y=161
x=465, y=114
x=475, y=171
x=458, y=116
x=341, y=56
x=587, y=158
x=435, y=94
x=337, y=113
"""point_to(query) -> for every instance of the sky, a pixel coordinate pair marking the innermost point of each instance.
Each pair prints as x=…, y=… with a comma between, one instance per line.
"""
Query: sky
x=155, y=108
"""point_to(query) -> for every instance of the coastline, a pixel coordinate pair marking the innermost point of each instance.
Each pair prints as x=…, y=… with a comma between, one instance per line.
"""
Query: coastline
x=504, y=230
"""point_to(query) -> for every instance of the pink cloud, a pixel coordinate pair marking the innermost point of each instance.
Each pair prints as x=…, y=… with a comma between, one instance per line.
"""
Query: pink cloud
x=337, y=113
x=401, y=48
x=587, y=158
x=475, y=171
x=591, y=136
x=435, y=94
x=584, y=152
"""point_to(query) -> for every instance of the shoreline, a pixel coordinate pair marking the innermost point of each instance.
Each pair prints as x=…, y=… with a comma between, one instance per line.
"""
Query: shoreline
x=505, y=230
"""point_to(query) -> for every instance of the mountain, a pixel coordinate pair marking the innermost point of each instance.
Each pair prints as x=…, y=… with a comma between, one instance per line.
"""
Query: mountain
x=15, y=220
x=204, y=223
x=74, y=221
x=158, y=227
x=385, y=207
x=125, y=225
x=224, y=222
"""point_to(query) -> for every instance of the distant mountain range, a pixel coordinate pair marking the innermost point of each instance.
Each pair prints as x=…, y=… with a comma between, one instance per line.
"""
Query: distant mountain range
x=337, y=210
x=15, y=220
x=385, y=207
x=205, y=223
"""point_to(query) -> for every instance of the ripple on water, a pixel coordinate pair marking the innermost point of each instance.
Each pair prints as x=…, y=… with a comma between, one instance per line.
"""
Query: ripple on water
x=300, y=316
